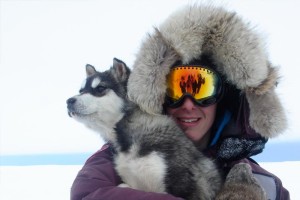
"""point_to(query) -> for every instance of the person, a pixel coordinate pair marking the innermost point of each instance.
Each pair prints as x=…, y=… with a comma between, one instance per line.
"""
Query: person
x=230, y=124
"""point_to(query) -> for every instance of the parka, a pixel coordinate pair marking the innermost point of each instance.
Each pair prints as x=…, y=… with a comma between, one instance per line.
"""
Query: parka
x=238, y=53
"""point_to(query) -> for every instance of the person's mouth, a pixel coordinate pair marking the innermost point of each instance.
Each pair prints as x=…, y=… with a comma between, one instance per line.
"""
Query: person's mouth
x=192, y=120
x=187, y=122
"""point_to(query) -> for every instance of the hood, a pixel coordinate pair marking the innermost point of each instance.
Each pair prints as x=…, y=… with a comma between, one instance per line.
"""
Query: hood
x=236, y=50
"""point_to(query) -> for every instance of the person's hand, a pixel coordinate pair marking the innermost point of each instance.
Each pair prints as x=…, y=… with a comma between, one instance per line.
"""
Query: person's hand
x=241, y=184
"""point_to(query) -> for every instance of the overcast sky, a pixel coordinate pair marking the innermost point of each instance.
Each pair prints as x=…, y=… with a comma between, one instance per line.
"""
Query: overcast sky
x=45, y=45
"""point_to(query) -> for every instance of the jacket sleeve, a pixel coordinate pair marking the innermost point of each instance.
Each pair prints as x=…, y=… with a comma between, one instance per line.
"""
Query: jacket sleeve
x=98, y=180
x=270, y=182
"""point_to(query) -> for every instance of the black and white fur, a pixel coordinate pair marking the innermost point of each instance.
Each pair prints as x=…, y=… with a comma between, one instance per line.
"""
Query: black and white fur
x=152, y=152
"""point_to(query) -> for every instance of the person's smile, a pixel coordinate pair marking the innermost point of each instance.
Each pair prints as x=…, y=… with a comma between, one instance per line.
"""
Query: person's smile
x=187, y=121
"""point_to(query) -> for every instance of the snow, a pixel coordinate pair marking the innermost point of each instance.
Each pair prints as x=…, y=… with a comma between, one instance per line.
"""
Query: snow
x=50, y=182
x=37, y=182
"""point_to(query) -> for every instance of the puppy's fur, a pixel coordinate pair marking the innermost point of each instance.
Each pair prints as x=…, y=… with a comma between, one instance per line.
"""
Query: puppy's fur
x=152, y=152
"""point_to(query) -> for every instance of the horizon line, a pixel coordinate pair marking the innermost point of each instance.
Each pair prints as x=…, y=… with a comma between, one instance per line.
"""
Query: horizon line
x=273, y=152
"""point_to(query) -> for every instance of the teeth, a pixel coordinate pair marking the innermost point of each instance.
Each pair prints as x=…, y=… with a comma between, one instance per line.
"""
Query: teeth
x=189, y=120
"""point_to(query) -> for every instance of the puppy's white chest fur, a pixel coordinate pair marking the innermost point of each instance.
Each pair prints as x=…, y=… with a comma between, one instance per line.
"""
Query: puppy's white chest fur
x=143, y=173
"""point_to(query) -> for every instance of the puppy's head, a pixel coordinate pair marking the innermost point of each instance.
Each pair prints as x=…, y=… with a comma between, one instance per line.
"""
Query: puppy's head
x=99, y=104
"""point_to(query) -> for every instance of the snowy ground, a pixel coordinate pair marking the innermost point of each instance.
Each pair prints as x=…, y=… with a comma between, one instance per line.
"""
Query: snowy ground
x=45, y=182
x=50, y=182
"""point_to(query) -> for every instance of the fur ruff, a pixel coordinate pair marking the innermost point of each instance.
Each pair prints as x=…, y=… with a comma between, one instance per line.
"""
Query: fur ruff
x=237, y=51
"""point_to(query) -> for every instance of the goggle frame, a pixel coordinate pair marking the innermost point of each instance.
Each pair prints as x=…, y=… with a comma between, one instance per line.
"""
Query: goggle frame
x=203, y=102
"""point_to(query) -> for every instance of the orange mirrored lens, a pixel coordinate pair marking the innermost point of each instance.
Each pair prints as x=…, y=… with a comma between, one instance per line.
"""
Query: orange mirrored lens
x=196, y=81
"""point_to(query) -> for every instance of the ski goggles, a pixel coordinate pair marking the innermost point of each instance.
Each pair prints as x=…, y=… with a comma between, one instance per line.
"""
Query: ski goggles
x=202, y=84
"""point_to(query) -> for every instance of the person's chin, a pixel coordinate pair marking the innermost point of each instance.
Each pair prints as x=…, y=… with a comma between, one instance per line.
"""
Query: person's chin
x=192, y=135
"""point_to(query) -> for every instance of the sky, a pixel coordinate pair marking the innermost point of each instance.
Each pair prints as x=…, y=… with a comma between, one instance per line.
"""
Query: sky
x=45, y=45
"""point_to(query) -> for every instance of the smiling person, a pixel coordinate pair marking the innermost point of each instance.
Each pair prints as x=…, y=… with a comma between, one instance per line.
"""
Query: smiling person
x=210, y=72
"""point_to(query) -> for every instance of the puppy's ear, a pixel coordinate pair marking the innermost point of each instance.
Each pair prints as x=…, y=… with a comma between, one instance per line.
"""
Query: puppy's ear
x=90, y=70
x=121, y=71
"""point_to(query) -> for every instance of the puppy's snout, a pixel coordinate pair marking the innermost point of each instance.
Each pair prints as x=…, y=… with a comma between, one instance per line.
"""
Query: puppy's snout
x=70, y=105
x=71, y=101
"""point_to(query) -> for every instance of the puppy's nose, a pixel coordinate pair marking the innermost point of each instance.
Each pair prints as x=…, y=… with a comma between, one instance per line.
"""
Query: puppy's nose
x=71, y=101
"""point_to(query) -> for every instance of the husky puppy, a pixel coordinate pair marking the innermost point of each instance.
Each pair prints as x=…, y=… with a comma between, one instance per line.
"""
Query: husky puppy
x=152, y=152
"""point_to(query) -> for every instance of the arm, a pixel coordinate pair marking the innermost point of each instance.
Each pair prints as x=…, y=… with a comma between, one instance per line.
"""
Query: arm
x=98, y=180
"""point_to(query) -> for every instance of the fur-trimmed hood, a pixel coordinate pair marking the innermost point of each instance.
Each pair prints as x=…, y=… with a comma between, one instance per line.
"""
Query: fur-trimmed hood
x=236, y=50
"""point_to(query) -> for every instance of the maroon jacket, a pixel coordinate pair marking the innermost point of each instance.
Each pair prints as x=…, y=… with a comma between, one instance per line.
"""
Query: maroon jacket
x=97, y=180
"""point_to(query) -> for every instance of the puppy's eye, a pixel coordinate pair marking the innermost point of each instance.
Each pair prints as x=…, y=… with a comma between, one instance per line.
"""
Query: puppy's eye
x=100, y=89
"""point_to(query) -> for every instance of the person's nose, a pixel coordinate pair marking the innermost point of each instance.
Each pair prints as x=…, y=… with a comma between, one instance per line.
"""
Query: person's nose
x=188, y=104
